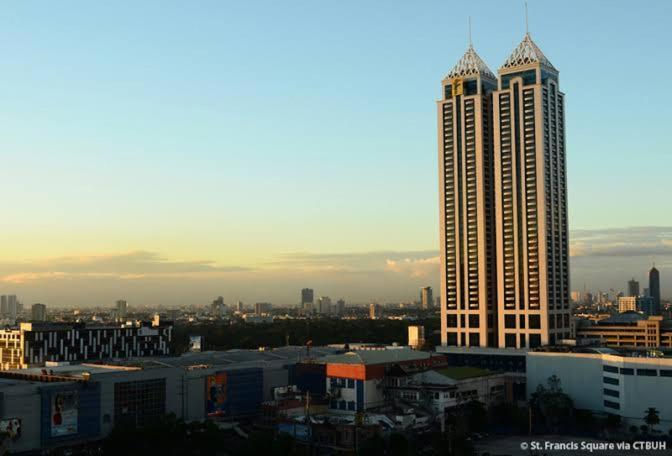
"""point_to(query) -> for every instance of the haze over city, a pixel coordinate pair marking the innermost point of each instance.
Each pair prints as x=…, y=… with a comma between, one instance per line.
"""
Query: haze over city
x=251, y=150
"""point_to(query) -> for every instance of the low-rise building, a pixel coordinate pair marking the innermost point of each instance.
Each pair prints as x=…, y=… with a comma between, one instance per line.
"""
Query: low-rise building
x=627, y=303
x=34, y=344
x=257, y=319
x=448, y=387
x=494, y=359
x=627, y=329
x=68, y=404
x=355, y=381
x=605, y=381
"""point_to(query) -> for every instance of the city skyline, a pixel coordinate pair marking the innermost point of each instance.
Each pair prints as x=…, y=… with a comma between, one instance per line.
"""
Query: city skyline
x=215, y=207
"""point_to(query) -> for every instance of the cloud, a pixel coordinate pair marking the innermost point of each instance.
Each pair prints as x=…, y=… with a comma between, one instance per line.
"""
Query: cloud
x=127, y=266
x=648, y=241
x=348, y=262
x=601, y=259
x=423, y=267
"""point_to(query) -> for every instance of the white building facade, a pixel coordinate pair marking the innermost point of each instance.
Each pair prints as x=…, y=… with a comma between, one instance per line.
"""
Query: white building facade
x=607, y=383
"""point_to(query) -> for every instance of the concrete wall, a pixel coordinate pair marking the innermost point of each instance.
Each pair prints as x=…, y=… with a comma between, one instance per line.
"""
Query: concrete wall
x=580, y=376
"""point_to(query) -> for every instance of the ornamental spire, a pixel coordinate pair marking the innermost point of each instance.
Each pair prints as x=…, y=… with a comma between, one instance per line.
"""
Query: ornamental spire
x=470, y=65
x=527, y=52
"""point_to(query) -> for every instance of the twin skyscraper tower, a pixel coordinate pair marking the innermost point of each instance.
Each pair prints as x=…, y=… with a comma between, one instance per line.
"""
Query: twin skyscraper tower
x=503, y=203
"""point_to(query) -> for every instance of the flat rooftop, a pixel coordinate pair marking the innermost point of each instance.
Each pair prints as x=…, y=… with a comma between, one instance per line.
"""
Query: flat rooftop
x=376, y=357
x=463, y=372
x=269, y=357
x=482, y=351
x=76, y=370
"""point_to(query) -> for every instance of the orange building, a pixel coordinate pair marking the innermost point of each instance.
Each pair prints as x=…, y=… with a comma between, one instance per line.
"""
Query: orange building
x=355, y=380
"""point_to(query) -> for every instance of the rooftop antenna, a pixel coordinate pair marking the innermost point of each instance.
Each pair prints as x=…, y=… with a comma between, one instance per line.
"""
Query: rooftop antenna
x=470, y=44
x=527, y=27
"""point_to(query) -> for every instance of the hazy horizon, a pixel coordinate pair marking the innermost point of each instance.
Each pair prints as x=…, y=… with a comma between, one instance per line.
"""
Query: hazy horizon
x=168, y=153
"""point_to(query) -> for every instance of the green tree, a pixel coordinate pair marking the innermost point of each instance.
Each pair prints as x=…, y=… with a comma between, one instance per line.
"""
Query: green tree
x=651, y=417
x=551, y=406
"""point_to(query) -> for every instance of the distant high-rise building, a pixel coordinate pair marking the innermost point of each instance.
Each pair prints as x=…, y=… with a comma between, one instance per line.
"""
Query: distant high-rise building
x=426, y=298
x=633, y=287
x=122, y=308
x=240, y=306
x=34, y=344
x=261, y=308
x=340, y=307
x=374, y=311
x=503, y=199
x=646, y=305
x=218, y=308
x=324, y=305
x=4, y=310
x=307, y=296
x=576, y=296
x=654, y=289
x=39, y=312
x=12, y=307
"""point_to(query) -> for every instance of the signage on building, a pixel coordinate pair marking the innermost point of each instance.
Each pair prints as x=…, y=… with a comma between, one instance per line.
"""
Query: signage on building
x=195, y=343
x=64, y=413
x=216, y=394
x=458, y=86
x=11, y=427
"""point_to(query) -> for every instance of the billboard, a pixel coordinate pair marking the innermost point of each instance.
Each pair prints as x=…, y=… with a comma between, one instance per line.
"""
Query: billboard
x=195, y=343
x=215, y=394
x=11, y=427
x=64, y=413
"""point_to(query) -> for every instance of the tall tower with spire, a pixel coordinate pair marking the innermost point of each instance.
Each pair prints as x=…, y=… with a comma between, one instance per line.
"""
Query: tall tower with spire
x=530, y=201
x=467, y=233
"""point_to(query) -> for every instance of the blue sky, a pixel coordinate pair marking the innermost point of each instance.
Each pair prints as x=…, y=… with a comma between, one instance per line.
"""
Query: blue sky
x=238, y=133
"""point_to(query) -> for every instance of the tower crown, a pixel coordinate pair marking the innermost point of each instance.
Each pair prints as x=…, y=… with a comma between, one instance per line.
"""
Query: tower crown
x=527, y=52
x=470, y=65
